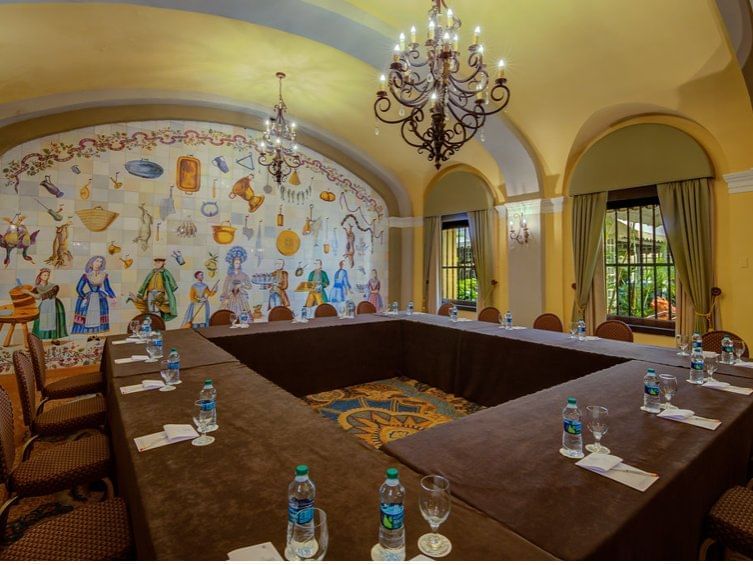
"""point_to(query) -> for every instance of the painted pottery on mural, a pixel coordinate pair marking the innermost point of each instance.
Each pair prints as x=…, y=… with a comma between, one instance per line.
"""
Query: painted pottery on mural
x=144, y=169
x=221, y=164
x=50, y=187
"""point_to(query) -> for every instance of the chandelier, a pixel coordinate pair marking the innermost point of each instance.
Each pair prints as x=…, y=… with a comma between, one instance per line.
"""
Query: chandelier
x=278, y=149
x=442, y=102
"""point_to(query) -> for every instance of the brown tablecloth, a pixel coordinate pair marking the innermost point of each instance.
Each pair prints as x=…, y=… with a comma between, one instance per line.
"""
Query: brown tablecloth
x=505, y=462
x=199, y=503
x=195, y=351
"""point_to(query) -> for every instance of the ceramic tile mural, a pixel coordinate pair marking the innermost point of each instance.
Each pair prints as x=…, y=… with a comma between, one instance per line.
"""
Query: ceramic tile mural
x=176, y=218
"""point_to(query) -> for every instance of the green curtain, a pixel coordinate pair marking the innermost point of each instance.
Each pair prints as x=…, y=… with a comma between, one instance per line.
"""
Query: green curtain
x=589, y=211
x=481, y=228
x=686, y=215
x=432, y=229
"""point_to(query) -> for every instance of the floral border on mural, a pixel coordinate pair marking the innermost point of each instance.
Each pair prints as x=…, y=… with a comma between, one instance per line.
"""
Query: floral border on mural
x=59, y=152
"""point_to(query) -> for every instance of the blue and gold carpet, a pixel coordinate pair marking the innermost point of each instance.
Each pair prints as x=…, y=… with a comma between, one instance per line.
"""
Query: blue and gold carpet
x=383, y=411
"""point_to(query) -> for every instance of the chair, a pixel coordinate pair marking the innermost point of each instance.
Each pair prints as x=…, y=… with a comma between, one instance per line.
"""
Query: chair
x=614, y=329
x=325, y=311
x=712, y=341
x=280, y=314
x=69, y=387
x=549, y=322
x=730, y=522
x=220, y=318
x=157, y=322
x=444, y=309
x=365, y=307
x=489, y=314
x=60, y=420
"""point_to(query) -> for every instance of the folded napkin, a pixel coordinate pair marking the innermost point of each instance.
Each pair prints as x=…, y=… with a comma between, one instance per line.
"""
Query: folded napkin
x=592, y=338
x=726, y=387
x=612, y=467
x=462, y=320
x=128, y=340
x=299, y=321
x=131, y=359
x=171, y=433
x=518, y=328
x=689, y=417
x=146, y=384
x=746, y=364
x=259, y=552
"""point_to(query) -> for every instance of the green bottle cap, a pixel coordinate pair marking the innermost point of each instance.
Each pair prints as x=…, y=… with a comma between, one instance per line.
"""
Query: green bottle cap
x=392, y=473
x=571, y=400
x=650, y=370
x=301, y=470
x=173, y=350
x=207, y=382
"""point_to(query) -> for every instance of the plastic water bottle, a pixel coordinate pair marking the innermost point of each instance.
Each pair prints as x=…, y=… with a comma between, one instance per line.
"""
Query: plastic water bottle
x=391, y=515
x=173, y=365
x=697, y=341
x=697, y=366
x=146, y=328
x=244, y=318
x=581, y=330
x=508, y=320
x=301, y=495
x=572, y=430
x=454, y=313
x=351, y=309
x=209, y=394
x=728, y=351
x=651, y=400
x=395, y=308
x=303, y=314
x=409, y=310
x=157, y=343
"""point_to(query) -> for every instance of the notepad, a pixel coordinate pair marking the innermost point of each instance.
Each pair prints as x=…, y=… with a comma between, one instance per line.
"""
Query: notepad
x=131, y=359
x=259, y=552
x=726, y=387
x=146, y=384
x=171, y=433
x=612, y=467
x=689, y=417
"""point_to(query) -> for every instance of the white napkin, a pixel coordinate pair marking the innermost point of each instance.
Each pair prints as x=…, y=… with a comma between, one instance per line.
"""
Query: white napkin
x=131, y=359
x=726, y=387
x=259, y=552
x=299, y=321
x=612, y=467
x=689, y=417
x=746, y=364
x=146, y=384
x=592, y=338
x=128, y=340
x=171, y=433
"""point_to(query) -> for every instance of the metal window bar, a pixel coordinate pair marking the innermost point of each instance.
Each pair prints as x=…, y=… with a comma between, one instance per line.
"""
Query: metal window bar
x=458, y=269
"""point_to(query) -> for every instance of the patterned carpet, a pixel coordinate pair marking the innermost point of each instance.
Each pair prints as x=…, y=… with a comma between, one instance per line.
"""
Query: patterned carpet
x=383, y=411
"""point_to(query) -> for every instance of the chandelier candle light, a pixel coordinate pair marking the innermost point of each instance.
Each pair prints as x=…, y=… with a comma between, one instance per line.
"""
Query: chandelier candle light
x=278, y=149
x=453, y=98
x=521, y=234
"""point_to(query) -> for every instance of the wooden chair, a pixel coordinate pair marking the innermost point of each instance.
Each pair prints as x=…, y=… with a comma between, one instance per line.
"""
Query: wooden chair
x=444, y=309
x=71, y=417
x=489, y=314
x=614, y=329
x=549, y=322
x=730, y=523
x=281, y=314
x=157, y=322
x=325, y=311
x=712, y=341
x=68, y=387
x=365, y=307
x=220, y=318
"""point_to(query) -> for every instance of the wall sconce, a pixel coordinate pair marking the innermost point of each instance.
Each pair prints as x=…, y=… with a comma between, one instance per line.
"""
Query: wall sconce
x=521, y=234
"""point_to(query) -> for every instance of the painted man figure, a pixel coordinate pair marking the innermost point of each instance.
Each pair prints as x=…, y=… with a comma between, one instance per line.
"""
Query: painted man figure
x=158, y=291
x=278, y=295
x=317, y=295
x=197, y=313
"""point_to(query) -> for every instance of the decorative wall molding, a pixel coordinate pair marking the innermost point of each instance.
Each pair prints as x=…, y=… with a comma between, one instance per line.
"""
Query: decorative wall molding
x=552, y=205
x=739, y=182
x=405, y=222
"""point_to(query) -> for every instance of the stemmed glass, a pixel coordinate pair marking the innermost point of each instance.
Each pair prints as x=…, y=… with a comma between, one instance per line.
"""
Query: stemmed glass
x=169, y=376
x=573, y=330
x=682, y=344
x=153, y=349
x=134, y=326
x=435, y=503
x=668, y=385
x=739, y=346
x=597, y=422
x=202, y=421
x=308, y=541
x=233, y=319
x=711, y=364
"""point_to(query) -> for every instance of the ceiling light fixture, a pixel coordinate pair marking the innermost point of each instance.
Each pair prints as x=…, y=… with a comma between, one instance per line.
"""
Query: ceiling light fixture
x=278, y=149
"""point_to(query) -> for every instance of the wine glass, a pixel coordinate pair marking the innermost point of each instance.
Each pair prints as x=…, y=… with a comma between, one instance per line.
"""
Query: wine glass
x=202, y=420
x=134, y=326
x=168, y=375
x=668, y=384
x=308, y=538
x=233, y=318
x=739, y=346
x=597, y=422
x=435, y=503
x=573, y=330
x=682, y=344
x=711, y=364
x=153, y=348
x=502, y=320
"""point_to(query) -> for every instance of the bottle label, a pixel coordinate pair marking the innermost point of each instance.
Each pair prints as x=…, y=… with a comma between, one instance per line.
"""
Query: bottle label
x=392, y=516
x=173, y=365
x=573, y=427
x=158, y=342
x=651, y=389
x=208, y=404
x=302, y=509
x=696, y=365
x=728, y=349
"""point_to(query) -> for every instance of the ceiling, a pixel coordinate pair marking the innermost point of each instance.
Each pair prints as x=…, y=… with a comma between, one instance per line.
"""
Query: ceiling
x=575, y=68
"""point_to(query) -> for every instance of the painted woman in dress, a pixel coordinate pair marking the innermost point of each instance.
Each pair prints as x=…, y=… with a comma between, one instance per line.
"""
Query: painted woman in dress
x=341, y=287
x=51, y=322
x=237, y=283
x=374, y=287
x=92, y=313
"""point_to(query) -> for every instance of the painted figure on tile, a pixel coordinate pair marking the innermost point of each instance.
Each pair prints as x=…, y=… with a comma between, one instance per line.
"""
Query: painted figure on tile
x=278, y=295
x=237, y=283
x=18, y=237
x=197, y=313
x=374, y=287
x=318, y=294
x=157, y=292
x=341, y=286
x=92, y=312
x=51, y=322
x=61, y=256
x=350, y=244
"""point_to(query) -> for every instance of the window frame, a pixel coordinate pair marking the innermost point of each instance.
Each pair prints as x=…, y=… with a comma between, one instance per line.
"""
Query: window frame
x=448, y=222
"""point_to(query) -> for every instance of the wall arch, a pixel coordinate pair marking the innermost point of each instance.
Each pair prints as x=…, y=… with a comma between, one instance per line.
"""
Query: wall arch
x=457, y=189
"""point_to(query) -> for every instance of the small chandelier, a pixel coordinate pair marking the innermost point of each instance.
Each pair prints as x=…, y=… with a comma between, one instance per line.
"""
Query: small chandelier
x=278, y=149
x=438, y=88
x=520, y=234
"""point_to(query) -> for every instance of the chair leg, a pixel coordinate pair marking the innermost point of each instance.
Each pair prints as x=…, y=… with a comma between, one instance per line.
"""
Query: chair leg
x=4, y=513
x=707, y=543
x=110, y=488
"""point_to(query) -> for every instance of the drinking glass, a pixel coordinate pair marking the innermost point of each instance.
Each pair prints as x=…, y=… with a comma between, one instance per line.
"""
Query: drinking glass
x=502, y=321
x=711, y=364
x=168, y=375
x=153, y=349
x=573, y=330
x=435, y=503
x=682, y=344
x=597, y=422
x=739, y=346
x=202, y=420
x=668, y=384
x=308, y=541
x=233, y=318
x=134, y=326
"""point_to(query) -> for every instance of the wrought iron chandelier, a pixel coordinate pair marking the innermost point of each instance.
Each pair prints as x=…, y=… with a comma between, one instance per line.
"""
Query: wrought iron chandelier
x=454, y=99
x=278, y=149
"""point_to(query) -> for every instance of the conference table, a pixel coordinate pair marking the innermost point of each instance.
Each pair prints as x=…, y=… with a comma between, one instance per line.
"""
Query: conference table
x=514, y=495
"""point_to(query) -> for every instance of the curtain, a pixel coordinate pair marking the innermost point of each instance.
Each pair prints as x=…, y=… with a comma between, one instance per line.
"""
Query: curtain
x=432, y=245
x=481, y=228
x=589, y=211
x=686, y=215
x=596, y=308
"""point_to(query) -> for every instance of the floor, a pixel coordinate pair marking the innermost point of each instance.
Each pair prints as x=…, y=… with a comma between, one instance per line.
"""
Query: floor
x=382, y=411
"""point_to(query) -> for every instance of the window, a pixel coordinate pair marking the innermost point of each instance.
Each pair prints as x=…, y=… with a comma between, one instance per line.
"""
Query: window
x=459, y=283
x=639, y=270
